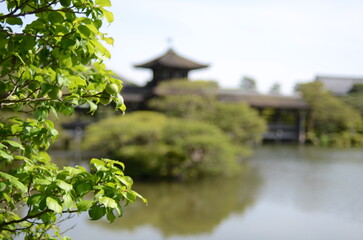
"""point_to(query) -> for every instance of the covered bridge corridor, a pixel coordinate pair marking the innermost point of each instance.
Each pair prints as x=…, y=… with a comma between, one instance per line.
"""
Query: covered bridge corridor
x=285, y=115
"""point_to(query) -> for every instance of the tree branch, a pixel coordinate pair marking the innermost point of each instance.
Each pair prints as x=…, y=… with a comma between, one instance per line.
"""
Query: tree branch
x=31, y=217
x=39, y=10
x=12, y=13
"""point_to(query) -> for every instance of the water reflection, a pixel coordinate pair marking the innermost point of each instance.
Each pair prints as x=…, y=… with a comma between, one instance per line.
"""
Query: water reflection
x=327, y=181
x=189, y=208
x=289, y=193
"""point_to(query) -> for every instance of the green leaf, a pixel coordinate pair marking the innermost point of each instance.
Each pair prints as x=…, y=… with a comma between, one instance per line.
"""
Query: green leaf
x=45, y=156
x=53, y=131
x=119, y=210
x=110, y=216
x=65, y=3
x=8, y=199
x=35, y=199
x=66, y=110
x=126, y=180
x=55, y=17
x=62, y=81
x=63, y=185
x=108, y=202
x=14, y=21
x=28, y=43
x=39, y=181
x=92, y=28
x=84, y=31
x=48, y=217
x=129, y=196
x=84, y=205
x=53, y=204
x=123, y=108
x=2, y=186
x=6, y=155
x=96, y=212
x=108, y=15
x=108, y=40
x=140, y=196
x=103, y=3
x=98, y=162
x=14, y=144
x=67, y=201
x=92, y=106
x=41, y=113
x=83, y=188
x=61, y=30
x=25, y=159
x=66, y=61
x=67, y=43
x=14, y=181
x=114, y=162
x=77, y=80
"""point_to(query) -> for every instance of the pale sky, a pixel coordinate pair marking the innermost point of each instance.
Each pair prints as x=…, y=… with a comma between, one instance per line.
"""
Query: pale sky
x=272, y=41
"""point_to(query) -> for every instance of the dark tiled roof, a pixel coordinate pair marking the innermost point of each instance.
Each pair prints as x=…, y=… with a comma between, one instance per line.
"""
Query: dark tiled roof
x=172, y=60
x=263, y=100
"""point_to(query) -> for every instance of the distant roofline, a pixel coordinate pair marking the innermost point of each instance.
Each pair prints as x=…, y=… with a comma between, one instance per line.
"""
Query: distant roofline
x=173, y=60
x=338, y=77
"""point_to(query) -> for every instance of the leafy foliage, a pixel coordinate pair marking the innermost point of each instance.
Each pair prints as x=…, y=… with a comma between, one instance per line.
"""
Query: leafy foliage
x=275, y=89
x=355, y=100
x=357, y=88
x=330, y=118
x=248, y=84
x=191, y=100
x=180, y=86
x=164, y=147
x=51, y=57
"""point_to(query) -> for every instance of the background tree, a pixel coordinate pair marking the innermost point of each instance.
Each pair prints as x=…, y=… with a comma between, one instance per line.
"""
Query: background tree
x=331, y=120
x=357, y=88
x=355, y=98
x=248, y=84
x=51, y=57
x=275, y=88
x=241, y=123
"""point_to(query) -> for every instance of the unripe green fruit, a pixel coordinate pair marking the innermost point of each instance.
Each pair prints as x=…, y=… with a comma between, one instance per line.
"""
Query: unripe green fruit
x=111, y=89
x=34, y=85
x=55, y=93
x=105, y=98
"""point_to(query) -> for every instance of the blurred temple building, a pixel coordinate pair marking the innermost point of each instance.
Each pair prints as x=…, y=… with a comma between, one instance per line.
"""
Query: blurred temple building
x=286, y=115
x=168, y=66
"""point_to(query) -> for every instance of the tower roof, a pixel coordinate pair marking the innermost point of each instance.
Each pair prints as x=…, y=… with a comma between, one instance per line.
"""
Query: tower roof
x=172, y=60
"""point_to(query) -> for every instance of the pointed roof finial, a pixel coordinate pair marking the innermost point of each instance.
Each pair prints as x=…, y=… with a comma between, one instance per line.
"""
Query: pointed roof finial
x=169, y=40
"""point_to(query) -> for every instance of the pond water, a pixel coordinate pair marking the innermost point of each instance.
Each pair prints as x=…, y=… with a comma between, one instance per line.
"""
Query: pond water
x=285, y=193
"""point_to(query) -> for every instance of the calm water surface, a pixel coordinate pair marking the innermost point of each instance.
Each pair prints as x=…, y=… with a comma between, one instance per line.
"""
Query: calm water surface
x=286, y=193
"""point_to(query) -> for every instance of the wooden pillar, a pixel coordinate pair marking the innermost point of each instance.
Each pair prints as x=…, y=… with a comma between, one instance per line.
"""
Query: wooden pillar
x=301, y=126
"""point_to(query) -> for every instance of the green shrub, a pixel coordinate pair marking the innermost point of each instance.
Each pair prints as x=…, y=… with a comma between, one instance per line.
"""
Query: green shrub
x=155, y=146
x=332, y=121
x=342, y=139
